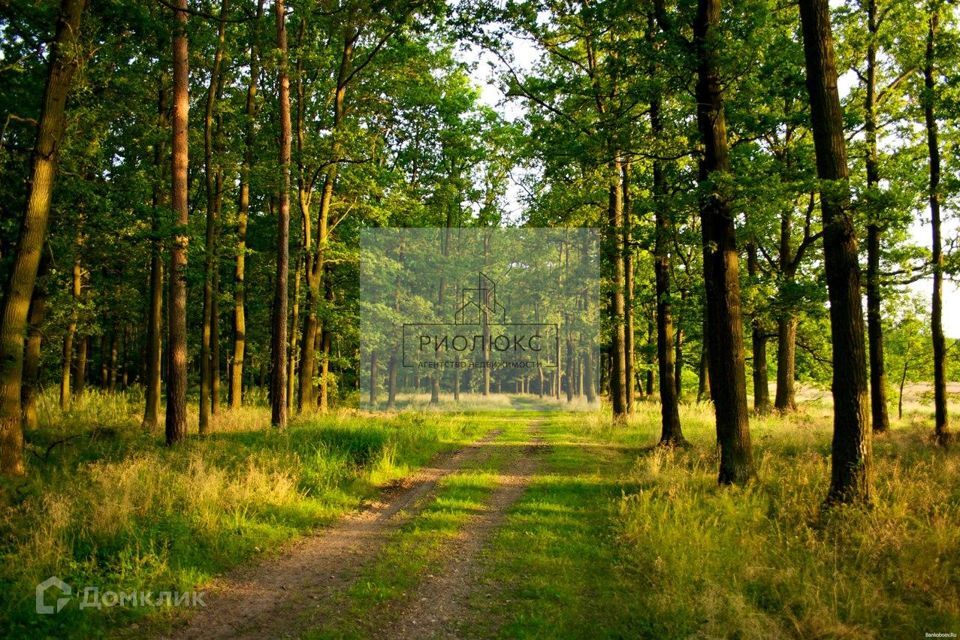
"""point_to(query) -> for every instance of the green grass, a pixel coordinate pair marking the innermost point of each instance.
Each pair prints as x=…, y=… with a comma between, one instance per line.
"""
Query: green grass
x=106, y=505
x=555, y=560
x=613, y=537
x=417, y=548
x=617, y=538
x=770, y=561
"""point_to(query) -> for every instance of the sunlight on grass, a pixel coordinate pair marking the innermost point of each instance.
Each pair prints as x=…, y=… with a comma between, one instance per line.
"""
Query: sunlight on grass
x=770, y=561
x=107, y=505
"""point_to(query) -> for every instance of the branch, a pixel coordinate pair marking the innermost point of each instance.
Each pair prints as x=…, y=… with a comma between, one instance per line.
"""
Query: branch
x=813, y=354
x=529, y=96
x=207, y=16
x=894, y=84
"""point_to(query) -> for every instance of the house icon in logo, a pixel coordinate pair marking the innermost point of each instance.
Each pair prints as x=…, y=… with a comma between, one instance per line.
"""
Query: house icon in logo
x=479, y=305
x=52, y=581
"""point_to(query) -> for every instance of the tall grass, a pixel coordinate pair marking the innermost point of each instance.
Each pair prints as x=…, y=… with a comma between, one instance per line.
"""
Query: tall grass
x=106, y=505
x=769, y=560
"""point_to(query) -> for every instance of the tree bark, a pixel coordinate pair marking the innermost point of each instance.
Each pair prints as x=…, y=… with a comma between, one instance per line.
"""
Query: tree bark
x=213, y=181
x=670, y=429
x=151, y=410
x=786, y=363
x=76, y=285
x=761, y=383
x=315, y=251
x=721, y=262
x=31, y=361
x=614, y=251
x=703, y=379
x=112, y=370
x=629, y=336
x=176, y=419
x=941, y=419
x=852, y=445
x=278, y=397
x=33, y=231
x=392, y=382
x=243, y=212
x=80, y=375
x=878, y=376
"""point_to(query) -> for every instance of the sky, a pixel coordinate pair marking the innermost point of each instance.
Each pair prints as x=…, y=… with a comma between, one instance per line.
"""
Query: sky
x=486, y=70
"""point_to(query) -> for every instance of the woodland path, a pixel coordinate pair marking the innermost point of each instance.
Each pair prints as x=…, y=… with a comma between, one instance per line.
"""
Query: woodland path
x=303, y=588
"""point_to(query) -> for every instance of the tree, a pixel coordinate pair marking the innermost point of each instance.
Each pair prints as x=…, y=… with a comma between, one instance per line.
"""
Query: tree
x=154, y=337
x=728, y=385
x=941, y=420
x=671, y=432
x=852, y=445
x=239, y=273
x=176, y=420
x=278, y=390
x=214, y=188
x=33, y=230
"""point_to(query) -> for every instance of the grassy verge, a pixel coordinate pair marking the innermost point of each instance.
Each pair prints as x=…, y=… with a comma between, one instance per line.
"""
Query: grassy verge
x=618, y=538
x=107, y=506
x=769, y=561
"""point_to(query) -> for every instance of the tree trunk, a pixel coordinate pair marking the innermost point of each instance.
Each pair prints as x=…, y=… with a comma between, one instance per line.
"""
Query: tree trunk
x=703, y=378
x=294, y=336
x=629, y=336
x=80, y=375
x=112, y=370
x=373, y=380
x=104, y=361
x=878, y=376
x=852, y=446
x=589, y=386
x=278, y=397
x=213, y=180
x=33, y=231
x=243, y=213
x=761, y=384
x=456, y=380
x=392, y=382
x=670, y=430
x=176, y=420
x=124, y=374
x=68, y=339
x=678, y=359
x=31, y=361
x=786, y=399
x=151, y=410
x=942, y=423
x=614, y=251
x=316, y=255
x=326, y=340
x=151, y=413
x=903, y=380
x=721, y=262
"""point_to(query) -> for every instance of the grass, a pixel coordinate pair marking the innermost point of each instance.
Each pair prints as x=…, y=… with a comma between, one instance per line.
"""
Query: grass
x=417, y=548
x=106, y=505
x=613, y=536
x=620, y=538
x=556, y=560
x=770, y=561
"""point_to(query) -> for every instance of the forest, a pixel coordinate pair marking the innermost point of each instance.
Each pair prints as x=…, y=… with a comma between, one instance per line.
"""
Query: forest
x=479, y=318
